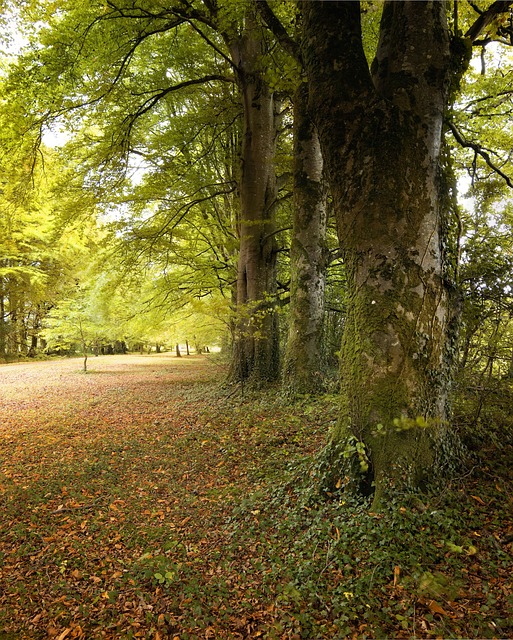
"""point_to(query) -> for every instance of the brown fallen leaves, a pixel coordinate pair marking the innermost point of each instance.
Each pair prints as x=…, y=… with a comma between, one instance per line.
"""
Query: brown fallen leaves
x=107, y=480
x=118, y=489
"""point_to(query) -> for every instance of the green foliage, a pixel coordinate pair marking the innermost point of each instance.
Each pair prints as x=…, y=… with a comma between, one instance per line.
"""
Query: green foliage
x=70, y=322
x=37, y=256
x=356, y=448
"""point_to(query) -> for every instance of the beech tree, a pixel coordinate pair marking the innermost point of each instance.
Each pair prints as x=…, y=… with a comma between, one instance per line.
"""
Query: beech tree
x=256, y=345
x=308, y=256
x=381, y=129
x=108, y=69
x=303, y=361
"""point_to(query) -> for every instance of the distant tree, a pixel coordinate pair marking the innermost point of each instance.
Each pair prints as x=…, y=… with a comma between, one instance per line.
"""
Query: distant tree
x=37, y=255
x=70, y=323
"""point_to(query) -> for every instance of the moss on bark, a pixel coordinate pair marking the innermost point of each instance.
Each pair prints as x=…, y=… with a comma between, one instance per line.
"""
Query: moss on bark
x=381, y=139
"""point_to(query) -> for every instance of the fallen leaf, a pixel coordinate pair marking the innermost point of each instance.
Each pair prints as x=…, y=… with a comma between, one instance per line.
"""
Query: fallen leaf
x=434, y=607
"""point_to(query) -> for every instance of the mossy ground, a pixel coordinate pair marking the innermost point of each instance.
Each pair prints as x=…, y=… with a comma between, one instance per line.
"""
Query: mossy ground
x=143, y=500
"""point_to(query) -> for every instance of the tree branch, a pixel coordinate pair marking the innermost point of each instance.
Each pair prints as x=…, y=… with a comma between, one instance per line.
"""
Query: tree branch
x=211, y=44
x=326, y=25
x=189, y=13
x=475, y=7
x=279, y=31
x=148, y=104
x=500, y=94
x=479, y=151
x=487, y=17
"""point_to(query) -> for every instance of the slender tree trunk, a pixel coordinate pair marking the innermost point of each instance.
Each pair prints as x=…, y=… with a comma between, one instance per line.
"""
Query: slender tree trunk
x=256, y=348
x=33, y=345
x=302, y=367
x=3, y=323
x=83, y=344
x=381, y=138
x=12, y=328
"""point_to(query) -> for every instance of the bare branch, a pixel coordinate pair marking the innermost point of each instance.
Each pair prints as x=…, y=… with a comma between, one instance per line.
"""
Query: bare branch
x=478, y=150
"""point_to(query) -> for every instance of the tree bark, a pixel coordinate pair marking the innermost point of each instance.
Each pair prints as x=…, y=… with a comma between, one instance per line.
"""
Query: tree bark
x=302, y=366
x=256, y=348
x=381, y=138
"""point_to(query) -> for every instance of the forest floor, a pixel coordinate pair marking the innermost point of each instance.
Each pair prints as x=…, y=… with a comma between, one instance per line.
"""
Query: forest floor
x=144, y=500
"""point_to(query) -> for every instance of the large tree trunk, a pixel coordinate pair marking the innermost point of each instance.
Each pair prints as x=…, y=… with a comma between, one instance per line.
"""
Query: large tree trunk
x=256, y=349
x=381, y=138
x=302, y=367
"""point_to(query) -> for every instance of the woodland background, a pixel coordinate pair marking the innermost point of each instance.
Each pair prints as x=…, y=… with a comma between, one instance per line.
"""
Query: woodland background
x=153, y=200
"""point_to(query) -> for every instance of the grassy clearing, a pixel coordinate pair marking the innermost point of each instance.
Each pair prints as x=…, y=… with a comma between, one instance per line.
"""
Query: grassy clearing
x=139, y=501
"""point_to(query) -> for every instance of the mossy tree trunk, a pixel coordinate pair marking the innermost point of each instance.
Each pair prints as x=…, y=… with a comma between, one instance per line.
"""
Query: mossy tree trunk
x=381, y=136
x=256, y=348
x=308, y=253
